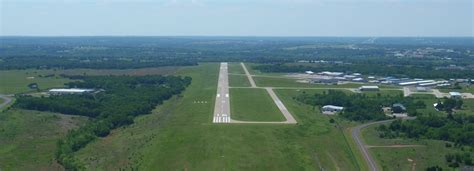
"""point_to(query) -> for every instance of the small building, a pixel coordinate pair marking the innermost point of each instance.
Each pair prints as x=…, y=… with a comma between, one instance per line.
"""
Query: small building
x=398, y=108
x=331, y=73
x=60, y=91
x=358, y=80
x=309, y=72
x=455, y=95
x=369, y=88
x=331, y=109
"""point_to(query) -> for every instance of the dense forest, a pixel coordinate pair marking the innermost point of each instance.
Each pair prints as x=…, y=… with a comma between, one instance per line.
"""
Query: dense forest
x=119, y=100
x=360, y=107
x=139, y=52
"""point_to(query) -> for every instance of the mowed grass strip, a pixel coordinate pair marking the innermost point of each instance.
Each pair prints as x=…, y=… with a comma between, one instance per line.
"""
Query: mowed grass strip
x=253, y=105
x=235, y=68
x=238, y=81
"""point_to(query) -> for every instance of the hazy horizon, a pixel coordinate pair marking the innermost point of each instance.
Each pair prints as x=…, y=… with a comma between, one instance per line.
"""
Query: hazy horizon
x=233, y=18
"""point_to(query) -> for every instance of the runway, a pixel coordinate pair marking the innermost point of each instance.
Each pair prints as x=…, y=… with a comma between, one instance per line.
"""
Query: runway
x=222, y=105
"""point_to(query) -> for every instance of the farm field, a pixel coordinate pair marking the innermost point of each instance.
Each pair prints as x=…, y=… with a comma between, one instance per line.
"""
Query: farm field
x=179, y=135
x=253, y=104
x=427, y=153
x=29, y=138
x=238, y=81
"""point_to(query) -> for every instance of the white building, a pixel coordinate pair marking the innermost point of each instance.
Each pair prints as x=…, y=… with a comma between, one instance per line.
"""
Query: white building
x=369, y=88
x=309, y=72
x=455, y=95
x=331, y=109
x=331, y=73
x=58, y=91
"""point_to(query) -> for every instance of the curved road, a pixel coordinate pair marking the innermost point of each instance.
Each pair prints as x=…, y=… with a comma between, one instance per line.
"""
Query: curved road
x=360, y=144
x=6, y=99
x=364, y=148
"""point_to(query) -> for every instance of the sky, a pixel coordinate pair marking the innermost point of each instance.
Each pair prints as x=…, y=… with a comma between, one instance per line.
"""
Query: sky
x=373, y=18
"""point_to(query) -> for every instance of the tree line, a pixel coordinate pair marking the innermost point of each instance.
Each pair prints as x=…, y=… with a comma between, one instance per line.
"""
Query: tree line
x=122, y=99
x=458, y=128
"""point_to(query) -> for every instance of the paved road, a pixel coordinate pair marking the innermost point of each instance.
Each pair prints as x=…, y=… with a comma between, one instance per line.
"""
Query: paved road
x=248, y=75
x=222, y=105
x=360, y=144
x=289, y=118
x=364, y=148
x=6, y=99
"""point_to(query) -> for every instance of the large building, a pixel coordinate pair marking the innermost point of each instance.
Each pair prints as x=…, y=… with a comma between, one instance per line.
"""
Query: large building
x=59, y=91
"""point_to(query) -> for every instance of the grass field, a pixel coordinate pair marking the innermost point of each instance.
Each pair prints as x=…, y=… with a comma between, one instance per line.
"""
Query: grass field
x=235, y=68
x=253, y=105
x=16, y=81
x=257, y=72
x=384, y=93
x=430, y=153
x=28, y=138
x=238, y=81
x=179, y=135
x=289, y=82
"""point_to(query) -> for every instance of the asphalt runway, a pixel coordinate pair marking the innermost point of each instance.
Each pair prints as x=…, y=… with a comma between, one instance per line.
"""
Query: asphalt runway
x=222, y=105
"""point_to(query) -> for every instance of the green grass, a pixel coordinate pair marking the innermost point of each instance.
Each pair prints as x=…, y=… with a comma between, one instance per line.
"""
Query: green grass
x=257, y=72
x=235, y=68
x=253, y=105
x=465, y=89
x=431, y=153
x=28, y=138
x=238, y=81
x=16, y=81
x=288, y=82
x=468, y=106
x=384, y=93
x=179, y=135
